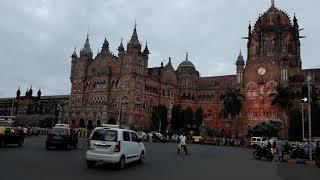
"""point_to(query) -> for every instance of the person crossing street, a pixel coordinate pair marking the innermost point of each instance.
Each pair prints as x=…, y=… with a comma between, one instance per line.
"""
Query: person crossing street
x=183, y=144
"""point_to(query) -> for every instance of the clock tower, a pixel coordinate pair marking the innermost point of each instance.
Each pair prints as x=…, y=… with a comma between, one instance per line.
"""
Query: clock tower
x=273, y=58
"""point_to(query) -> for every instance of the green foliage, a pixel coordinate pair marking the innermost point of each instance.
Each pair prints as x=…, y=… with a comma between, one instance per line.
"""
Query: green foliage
x=198, y=117
x=159, y=113
x=176, y=118
x=281, y=97
x=265, y=129
x=295, y=129
x=232, y=101
x=188, y=118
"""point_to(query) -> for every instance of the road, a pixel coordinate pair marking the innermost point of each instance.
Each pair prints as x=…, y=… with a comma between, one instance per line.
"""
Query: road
x=33, y=162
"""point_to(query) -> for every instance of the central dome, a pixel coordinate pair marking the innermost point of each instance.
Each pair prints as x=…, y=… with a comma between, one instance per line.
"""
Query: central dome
x=273, y=16
x=186, y=66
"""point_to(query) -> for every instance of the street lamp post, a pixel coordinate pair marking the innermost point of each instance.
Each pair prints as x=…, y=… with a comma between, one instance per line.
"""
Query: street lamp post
x=304, y=100
x=309, y=114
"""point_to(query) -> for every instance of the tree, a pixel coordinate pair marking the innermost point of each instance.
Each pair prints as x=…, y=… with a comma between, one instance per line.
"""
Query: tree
x=188, y=118
x=295, y=125
x=232, y=101
x=198, y=118
x=281, y=98
x=159, y=113
x=265, y=129
x=176, y=118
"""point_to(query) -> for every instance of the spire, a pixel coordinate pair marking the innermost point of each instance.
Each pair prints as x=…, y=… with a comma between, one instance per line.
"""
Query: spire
x=18, y=93
x=272, y=4
x=187, y=56
x=27, y=92
x=240, y=60
x=249, y=29
x=86, y=47
x=74, y=55
x=105, y=46
x=39, y=93
x=295, y=22
x=146, y=50
x=30, y=91
x=121, y=48
x=134, y=37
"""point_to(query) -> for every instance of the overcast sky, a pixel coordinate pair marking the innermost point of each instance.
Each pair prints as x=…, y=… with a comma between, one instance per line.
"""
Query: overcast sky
x=38, y=36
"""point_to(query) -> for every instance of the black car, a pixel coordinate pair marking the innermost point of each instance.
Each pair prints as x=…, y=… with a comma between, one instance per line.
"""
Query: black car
x=62, y=137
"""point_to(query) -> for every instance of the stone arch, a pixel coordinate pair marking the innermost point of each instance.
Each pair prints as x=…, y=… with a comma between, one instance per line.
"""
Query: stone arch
x=99, y=123
x=82, y=123
x=90, y=125
x=112, y=120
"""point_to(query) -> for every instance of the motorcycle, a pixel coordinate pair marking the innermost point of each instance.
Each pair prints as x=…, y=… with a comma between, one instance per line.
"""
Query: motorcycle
x=299, y=153
x=263, y=152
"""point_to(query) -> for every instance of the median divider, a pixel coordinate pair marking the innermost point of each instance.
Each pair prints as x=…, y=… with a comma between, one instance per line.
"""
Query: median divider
x=82, y=133
x=301, y=161
x=43, y=131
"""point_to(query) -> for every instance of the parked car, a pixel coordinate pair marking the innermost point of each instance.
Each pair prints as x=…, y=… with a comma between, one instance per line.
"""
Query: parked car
x=257, y=141
x=10, y=135
x=61, y=137
x=158, y=137
x=143, y=135
x=114, y=146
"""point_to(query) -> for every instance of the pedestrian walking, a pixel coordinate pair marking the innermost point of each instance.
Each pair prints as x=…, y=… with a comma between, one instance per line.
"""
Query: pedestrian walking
x=280, y=149
x=182, y=144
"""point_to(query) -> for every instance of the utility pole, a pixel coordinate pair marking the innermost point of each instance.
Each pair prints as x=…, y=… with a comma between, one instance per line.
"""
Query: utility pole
x=309, y=114
x=304, y=100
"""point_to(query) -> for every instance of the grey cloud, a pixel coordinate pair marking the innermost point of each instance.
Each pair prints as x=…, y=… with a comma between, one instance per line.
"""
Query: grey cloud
x=38, y=36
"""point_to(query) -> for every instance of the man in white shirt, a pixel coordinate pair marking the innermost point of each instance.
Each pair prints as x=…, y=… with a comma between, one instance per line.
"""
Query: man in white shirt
x=183, y=144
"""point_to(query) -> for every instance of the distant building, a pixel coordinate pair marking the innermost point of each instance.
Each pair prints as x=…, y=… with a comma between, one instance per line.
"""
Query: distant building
x=31, y=110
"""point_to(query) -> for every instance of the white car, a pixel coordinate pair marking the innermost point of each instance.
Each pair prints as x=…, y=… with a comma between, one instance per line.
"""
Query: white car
x=114, y=146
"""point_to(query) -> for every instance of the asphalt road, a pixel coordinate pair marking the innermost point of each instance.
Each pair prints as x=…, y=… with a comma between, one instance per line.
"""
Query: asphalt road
x=33, y=162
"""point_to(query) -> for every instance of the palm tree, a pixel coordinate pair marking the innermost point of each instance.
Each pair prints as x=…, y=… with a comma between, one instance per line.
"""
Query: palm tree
x=232, y=101
x=281, y=98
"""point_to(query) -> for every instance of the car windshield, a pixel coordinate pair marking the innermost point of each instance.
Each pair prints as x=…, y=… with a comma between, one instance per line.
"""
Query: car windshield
x=105, y=135
x=59, y=131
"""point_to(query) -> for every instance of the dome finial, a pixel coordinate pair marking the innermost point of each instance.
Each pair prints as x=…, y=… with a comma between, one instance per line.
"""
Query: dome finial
x=187, y=56
x=272, y=3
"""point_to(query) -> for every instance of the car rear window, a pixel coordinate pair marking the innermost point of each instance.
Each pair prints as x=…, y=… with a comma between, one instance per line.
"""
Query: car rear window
x=105, y=135
x=59, y=131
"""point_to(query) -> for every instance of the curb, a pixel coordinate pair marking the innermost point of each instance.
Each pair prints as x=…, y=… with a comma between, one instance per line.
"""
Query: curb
x=306, y=162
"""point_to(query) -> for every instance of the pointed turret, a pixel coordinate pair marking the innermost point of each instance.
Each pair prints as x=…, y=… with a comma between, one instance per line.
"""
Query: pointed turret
x=39, y=93
x=295, y=22
x=249, y=30
x=27, y=92
x=30, y=91
x=134, y=44
x=86, y=51
x=240, y=60
x=146, y=50
x=18, y=93
x=74, y=54
x=134, y=37
x=105, y=46
x=121, y=48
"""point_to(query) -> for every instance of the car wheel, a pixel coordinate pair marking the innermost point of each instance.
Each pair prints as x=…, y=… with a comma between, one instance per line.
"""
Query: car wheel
x=47, y=146
x=20, y=143
x=318, y=162
x=141, y=159
x=2, y=143
x=256, y=156
x=90, y=164
x=122, y=163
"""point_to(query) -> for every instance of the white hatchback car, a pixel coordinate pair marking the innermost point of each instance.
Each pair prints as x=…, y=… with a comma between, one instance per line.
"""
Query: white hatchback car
x=115, y=146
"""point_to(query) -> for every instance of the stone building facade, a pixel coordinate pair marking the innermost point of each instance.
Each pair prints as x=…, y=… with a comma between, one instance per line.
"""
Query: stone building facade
x=121, y=88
